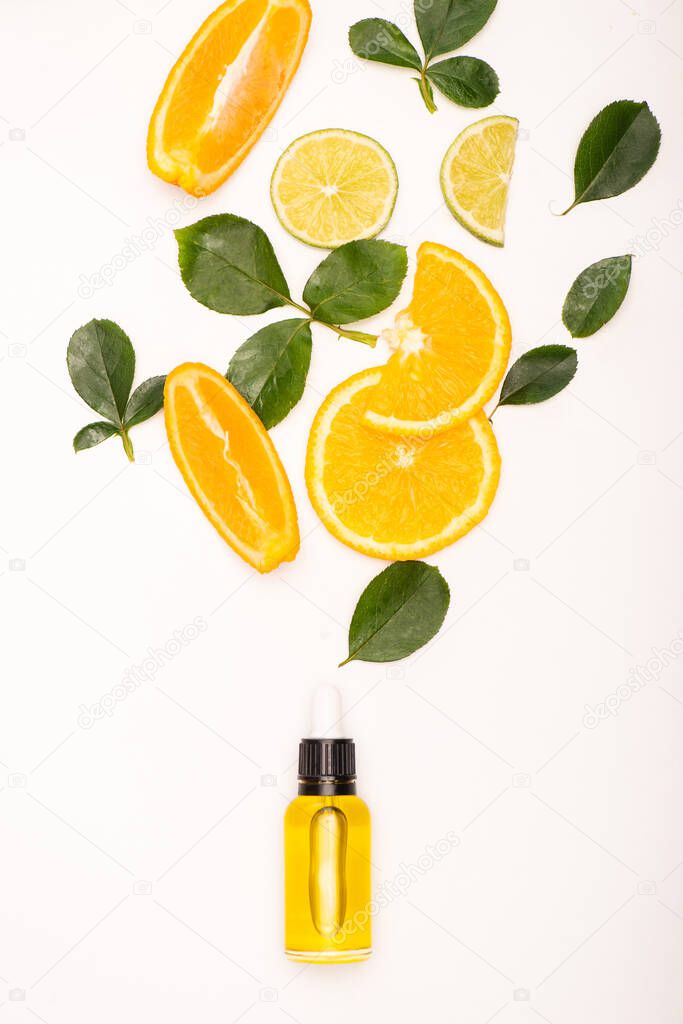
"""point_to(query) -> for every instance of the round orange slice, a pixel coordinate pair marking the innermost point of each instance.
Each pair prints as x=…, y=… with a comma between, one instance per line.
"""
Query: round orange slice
x=224, y=89
x=230, y=465
x=451, y=346
x=396, y=497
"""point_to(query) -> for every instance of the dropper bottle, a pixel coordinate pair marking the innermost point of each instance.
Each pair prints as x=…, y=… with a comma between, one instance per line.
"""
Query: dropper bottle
x=327, y=847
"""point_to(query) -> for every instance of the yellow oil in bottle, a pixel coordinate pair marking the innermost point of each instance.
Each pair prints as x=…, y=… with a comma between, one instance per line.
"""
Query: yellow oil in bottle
x=327, y=879
x=327, y=852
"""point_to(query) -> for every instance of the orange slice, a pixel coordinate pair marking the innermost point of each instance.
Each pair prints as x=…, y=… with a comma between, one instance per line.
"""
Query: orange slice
x=396, y=497
x=230, y=465
x=224, y=89
x=451, y=345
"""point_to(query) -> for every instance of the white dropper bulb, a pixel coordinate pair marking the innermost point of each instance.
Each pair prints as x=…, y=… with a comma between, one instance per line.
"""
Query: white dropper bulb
x=326, y=712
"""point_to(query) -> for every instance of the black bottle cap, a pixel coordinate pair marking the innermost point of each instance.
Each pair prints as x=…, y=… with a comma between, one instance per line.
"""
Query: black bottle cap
x=327, y=766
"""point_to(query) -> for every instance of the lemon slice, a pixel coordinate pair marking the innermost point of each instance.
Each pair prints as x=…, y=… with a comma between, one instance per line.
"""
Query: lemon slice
x=475, y=176
x=334, y=186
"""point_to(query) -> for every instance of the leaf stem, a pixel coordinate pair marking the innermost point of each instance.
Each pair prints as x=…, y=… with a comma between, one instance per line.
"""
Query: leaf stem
x=127, y=446
x=362, y=336
x=365, y=339
x=425, y=90
x=302, y=309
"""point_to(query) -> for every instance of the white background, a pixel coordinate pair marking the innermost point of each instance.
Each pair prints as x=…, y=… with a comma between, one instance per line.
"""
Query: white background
x=142, y=857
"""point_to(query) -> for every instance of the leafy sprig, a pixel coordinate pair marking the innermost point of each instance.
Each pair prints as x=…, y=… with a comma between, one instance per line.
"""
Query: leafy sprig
x=101, y=363
x=443, y=26
x=229, y=265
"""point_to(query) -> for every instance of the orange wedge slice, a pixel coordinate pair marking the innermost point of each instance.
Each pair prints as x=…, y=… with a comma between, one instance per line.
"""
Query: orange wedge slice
x=396, y=497
x=224, y=89
x=451, y=345
x=230, y=465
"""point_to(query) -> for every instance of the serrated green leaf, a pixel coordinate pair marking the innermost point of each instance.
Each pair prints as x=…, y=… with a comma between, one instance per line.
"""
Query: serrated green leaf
x=538, y=375
x=94, y=433
x=596, y=295
x=356, y=281
x=381, y=40
x=228, y=264
x=398, y=612
x=616, y=151
x=101, y=364
x=269, y=369
x=446, y=25
x=465, y=80
x=145, y=401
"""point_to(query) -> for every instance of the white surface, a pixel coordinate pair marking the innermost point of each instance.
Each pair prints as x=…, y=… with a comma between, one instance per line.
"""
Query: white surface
x=142, y=855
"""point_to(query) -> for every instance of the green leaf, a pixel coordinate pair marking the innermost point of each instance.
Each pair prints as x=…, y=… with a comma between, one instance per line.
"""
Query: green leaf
x=398, y=612
x=596, y=295
x=355, y=281
x=101, y=364
x=94, y=434
x=381, y=40
x=465, y=80
x=446, y=25
x=147, y=399
x=618, y=148
x=228, y=264
x=538, y=374
x=269, y=369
